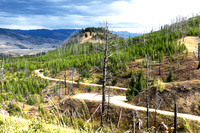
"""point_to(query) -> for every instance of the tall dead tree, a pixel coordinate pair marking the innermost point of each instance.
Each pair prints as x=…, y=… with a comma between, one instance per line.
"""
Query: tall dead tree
x=175, y=111
x=147, y=89
x=60, y=92
x=199, y=55
x=72, y=74
x=147, y=93
x=133, y=121
x=124, y=45
x=199, y=46
x=65, y=76
x=1, y=77
x=108, y=108
x=105, y=64
x=156, y=99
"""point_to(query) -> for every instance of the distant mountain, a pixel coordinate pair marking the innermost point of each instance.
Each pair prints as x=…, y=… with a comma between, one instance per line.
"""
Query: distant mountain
x=126, y=34
x=59, y=34
x=21, y=42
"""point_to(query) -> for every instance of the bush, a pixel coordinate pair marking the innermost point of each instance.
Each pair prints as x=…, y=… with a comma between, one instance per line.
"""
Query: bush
x=100, y=80
x=154, y=81
x=90, y=89
x=37, y=126
x=30, y=101
x=185, y=127
x=80, y=124
x=86, y=35
x=85, y=74
x=114, y=82
x=64, y=120
x=35, y=99
x=1, y=99
x=13, y=109
x=161, y=86
x=136, y=86
x=19, y=97
x=170, y=77
x=130, y=93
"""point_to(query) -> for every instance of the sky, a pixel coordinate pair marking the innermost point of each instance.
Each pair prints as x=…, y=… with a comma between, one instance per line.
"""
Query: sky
x=136, y=16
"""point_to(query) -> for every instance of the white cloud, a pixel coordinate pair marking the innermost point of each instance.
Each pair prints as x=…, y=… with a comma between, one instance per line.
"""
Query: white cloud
x=124, y=15
x=151, y=13
x=22, y=27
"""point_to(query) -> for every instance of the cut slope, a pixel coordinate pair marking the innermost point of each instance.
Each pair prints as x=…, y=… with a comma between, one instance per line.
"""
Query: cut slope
x=191, y=43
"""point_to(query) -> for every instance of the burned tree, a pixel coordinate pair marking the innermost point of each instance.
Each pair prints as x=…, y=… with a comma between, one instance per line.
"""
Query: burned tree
x=147, y=93
x=65, y=83
x=1, y=77
x=175, y=110
x=105, y=62
x=106, y=48
x=198, y=55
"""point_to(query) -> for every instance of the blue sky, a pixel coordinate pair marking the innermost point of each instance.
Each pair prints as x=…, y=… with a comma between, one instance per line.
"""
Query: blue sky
x=125, y=15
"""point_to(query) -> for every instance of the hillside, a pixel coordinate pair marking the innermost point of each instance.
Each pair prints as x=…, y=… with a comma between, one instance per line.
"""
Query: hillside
x=59, y=34
x=28, y=42
x=95, y=35
x=53, y=83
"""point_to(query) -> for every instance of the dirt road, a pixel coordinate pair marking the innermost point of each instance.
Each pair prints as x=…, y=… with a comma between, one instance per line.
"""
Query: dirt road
x=116, y=100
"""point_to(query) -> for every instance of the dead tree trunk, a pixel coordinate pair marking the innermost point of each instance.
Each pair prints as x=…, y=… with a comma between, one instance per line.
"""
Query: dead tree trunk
x=60, y=90
x=108, y=108
x=198, y=55
x=125, y=43
x=147, y=95
x=175, y=112
x=104, y=75
x=120, y=114
x=147, y=89
x=133, y=122
x=156, y=105
x=65, y=83
x=72, y=81
x=1, y=89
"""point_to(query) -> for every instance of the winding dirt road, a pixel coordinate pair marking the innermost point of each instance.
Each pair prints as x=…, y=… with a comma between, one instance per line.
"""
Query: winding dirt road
x=37, y=72
x=121, y=101
x=117, y=100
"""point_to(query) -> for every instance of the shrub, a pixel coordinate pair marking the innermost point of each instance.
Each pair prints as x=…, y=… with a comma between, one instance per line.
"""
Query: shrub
x=35, y=99
x=136, y=86
x=90, y=89
x=19, y=97
x=185, y=127
x=130, y=93
x=161, y=86
x=85, y=74
x=114, y=82
x=170, y=77
x=30, y=101
x=37, y=126
x=100, y=80
x=1, y=99
x=80, y=124
x=13, y=109
x=154, y=81
x=64, y=120
x=86, y=35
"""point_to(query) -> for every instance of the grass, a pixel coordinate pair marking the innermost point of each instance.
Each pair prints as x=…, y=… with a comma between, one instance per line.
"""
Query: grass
x=13, y=124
